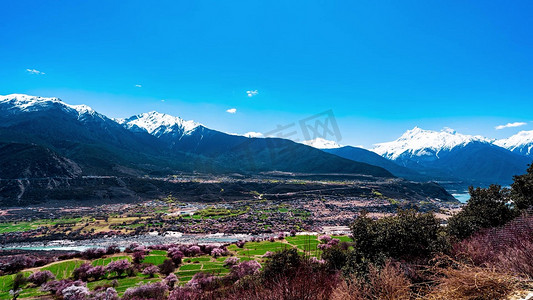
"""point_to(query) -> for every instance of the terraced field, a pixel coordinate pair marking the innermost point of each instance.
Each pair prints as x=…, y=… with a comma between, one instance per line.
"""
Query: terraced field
x=64, y=269
x=190, y=265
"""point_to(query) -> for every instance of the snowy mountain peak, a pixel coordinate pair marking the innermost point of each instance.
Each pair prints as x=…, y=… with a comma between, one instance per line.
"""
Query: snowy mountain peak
x=321, y=143
x=420, y=142
x=521, y=142
x=156, y=123
x=27, y=103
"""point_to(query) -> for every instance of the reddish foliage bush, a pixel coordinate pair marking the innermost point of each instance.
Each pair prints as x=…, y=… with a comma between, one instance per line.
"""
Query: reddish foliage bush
x=171, y=280
x=150, y=270
x=305, y=283
x=105, y=294
x=167, y=267
x=56, y=287
x=203, y=281
x=40, y=277
x=112, y=249
x=245, y=268
x=506, y=248
x=155, y=291
x=231, y=261
x=176, y=255
x=119, y=266
x=138, y=256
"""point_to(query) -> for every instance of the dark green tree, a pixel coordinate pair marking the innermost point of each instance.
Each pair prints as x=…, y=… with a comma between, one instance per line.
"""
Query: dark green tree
x=407, y=235
x=282, y=263
x=487, y=207
x=522, y=190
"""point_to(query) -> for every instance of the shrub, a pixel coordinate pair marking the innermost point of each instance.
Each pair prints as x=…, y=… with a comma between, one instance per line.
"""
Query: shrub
x=56, y=287
x=304, y=283
x=138, y=256
x=473, y=283
x=131, y=247
x=203, y=281
x=40, y=277
x=18, y=281
x=407, y=235
x=112, y=249
x=155, y=291
x=245, y=268
x=167, y=267
x=522, y=190
x=335, y=258
x=231, y=261
x=486, y=208
x=176, y=255
x=119, y=266
x=386, y=283
x=285, y=262
x=75, y=292
x=81, y=272
x=324, y=238
x=150, y=270
x=171, y=280
x=507, y=248
x=193, y=251
x=185, y=293
x=218, y=252
x=96, y=272
x=93, y=253
x=107, y=294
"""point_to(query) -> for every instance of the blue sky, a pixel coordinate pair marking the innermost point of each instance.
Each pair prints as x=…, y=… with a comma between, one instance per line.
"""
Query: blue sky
x=381, y=66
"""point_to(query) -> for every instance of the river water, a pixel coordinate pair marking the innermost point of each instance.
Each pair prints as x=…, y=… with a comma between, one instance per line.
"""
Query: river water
x=124, y=241
x=462, y=197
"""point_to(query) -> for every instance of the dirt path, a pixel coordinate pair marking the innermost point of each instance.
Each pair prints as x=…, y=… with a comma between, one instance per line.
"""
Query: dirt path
x=34, y=269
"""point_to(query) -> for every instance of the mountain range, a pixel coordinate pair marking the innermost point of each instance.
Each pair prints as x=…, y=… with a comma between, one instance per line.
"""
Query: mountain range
x=54, y=143
x=446, y=155
x=152, y=143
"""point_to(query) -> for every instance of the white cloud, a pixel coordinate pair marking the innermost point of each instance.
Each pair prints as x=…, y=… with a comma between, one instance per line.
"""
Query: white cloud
x=138, y=85
x=510, y=125
x=231, y=110
x=252, y=93
x=162, y=100
x=253, y=134
x=36, y=72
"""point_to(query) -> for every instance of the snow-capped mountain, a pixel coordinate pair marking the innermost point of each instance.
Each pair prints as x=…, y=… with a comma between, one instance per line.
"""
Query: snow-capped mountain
x=521, y=143
x=448, y=155
x=321, y=143
x=20, y=103
x=428, y=143
x=158, y=124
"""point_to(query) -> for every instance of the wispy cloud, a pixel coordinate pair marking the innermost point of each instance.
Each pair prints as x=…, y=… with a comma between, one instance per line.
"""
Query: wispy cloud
x=231, y=110
x=510, y=125
x=36, y=72
x=162, y=100
x=252, y=93
x=138, y=85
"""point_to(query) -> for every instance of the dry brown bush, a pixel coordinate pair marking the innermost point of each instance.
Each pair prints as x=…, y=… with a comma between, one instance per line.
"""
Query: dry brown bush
x=387, y=283
x=473, y=283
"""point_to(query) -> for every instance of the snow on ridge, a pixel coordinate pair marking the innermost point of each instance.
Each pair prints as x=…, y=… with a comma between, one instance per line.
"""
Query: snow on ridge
x=517, y=141
x=321, y=143
x=420, y=142
x=158, y=123
x=34, y=103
